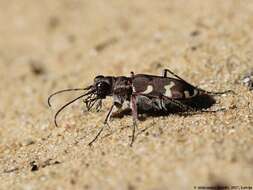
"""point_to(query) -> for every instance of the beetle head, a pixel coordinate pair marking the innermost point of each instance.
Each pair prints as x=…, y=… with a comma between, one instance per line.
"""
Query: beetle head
x=103, y=86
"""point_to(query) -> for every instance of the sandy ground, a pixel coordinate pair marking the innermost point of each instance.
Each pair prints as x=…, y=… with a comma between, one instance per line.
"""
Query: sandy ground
x=51, y=45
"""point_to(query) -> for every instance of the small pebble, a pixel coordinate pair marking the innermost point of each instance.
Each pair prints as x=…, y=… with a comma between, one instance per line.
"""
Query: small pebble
x=28, y=142
x=34, y=166
x=247, y=80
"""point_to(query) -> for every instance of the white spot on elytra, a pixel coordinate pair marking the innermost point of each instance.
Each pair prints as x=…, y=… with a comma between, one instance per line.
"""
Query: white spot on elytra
x=148, y=90
x=168, y=87
x=134, y=89
x=187, y=94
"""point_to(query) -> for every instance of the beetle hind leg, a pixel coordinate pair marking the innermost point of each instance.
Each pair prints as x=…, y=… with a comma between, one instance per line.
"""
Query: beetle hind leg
x=178, y=104
x=216, y=93
x=165, y=71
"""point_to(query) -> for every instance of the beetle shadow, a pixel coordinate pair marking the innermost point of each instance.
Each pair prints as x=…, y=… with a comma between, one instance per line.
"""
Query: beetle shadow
x=199, y=104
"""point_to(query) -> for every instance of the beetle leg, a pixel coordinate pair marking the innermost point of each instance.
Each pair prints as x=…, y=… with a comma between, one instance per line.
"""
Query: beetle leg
x=99, y=105
x=163, y=105
x=165, y=71
x=135, y=117
x=104, y=125
x=216, y=93
x=179, y=104
x=132, y=74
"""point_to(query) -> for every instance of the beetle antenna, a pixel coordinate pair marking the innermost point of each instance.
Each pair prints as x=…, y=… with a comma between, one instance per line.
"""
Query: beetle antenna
x=66, y=90
x=67, y=104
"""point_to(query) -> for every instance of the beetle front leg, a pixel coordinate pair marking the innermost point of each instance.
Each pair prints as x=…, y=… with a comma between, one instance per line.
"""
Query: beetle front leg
x=135, y=117
x=104, y=125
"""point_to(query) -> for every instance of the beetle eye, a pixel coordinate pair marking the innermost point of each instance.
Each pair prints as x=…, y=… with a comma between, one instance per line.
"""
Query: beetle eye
x=103, y=89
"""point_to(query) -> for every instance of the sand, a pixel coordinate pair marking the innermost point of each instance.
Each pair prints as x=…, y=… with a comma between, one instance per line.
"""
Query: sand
x=50, y=45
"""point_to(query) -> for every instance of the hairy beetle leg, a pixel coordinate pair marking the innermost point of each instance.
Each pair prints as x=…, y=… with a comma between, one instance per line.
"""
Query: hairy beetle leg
x=165, y=71
x=104, y=125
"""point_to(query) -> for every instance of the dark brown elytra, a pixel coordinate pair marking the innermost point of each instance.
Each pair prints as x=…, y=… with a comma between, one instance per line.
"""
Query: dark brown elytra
x=145, y=93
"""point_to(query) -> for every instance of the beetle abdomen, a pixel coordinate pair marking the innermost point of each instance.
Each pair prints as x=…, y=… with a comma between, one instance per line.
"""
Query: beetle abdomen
x=163, y=86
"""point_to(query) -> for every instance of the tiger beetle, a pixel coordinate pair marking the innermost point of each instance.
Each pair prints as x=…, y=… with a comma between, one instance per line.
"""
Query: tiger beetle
x=144, y=92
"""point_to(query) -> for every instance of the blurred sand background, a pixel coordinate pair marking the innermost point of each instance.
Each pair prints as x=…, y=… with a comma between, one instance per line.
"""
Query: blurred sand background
x=51, y=45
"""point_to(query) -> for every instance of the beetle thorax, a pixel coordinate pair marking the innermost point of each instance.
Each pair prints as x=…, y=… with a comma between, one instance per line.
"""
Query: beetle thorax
x=122, y=90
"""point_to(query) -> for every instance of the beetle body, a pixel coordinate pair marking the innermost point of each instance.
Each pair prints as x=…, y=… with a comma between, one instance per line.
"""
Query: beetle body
x=146, y=93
